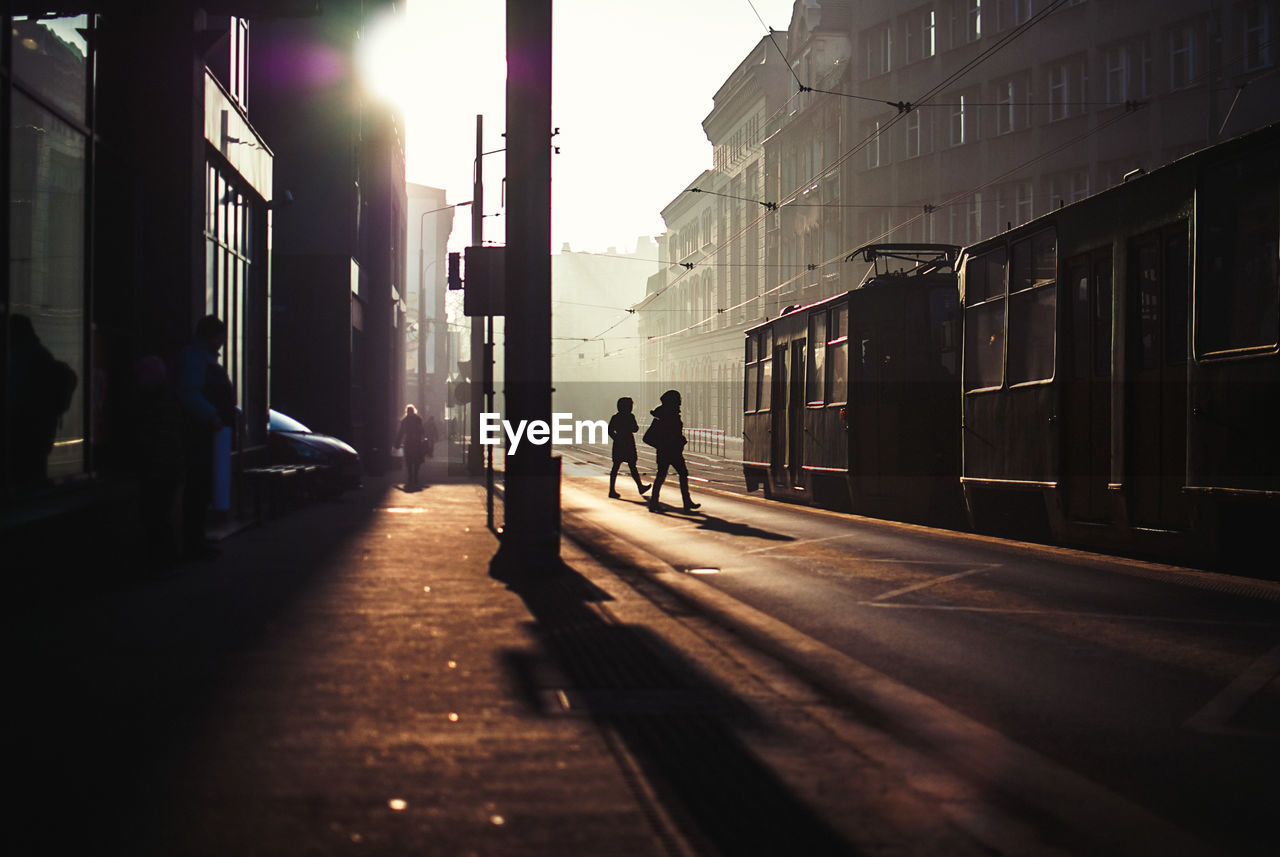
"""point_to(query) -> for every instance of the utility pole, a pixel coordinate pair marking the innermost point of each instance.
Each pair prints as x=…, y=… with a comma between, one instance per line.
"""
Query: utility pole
x=479, y=370
x=531, y=539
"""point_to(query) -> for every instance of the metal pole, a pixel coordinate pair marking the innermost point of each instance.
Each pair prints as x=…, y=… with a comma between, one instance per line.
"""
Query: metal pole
x=475, y=459
x=531, y=539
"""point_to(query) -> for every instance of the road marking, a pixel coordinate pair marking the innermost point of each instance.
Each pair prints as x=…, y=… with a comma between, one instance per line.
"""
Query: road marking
x=959, y=608
x=1213, y=718
x=802, y=543
x=925, y=584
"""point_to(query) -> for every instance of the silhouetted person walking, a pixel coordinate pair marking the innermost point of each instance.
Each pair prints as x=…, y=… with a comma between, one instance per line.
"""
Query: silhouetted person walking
x=410, y=435
x=208, y=405
x=623, y=428
x=666, y=435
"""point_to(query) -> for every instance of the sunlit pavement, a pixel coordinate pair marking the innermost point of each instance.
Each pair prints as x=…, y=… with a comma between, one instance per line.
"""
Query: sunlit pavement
x=346, y=679
x=349, y=679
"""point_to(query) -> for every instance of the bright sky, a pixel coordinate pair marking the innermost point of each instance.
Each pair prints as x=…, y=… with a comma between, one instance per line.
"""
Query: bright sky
x=632, y=84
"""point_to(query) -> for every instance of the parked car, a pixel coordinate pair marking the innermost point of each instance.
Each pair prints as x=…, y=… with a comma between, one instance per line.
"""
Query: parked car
x=291, y=442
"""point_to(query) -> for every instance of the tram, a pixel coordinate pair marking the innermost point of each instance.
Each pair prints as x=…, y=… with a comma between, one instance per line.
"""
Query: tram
x=1106, y=375
x=1121, y=373
x=851, y=402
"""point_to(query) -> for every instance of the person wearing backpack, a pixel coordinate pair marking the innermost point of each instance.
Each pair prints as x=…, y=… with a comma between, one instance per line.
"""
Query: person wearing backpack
x=666, y=435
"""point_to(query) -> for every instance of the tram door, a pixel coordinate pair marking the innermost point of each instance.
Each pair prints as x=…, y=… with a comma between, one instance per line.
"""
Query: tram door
x=795, y=410
x=788, y=411
x=778, y=412
x=1157, y=400
x=1087, y=405
x=865, y=403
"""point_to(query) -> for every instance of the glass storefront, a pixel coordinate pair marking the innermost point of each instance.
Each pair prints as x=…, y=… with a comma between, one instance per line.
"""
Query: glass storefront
x=44, y=303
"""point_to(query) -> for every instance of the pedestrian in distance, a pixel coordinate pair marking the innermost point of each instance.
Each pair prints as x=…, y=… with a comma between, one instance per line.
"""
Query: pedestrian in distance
x=666, y=435
x=208, y=405
x=410, y=436
x=623, y=428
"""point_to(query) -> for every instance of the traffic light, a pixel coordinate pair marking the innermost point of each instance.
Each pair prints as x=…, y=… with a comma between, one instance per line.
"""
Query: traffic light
x=455, y=271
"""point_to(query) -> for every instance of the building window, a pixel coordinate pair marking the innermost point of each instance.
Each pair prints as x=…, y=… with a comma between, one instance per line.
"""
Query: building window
x=1023, y=205
x=914, y=134
x=238, y=83
x=921, y=35
x=46, y=361
x=875, y=150
x=959, y=122
x=1117, y=74
x=1182, y=57
x=879, y=50
x=1257, y=37
x=1010, y=116
x=972, y=20
x=1067, y=81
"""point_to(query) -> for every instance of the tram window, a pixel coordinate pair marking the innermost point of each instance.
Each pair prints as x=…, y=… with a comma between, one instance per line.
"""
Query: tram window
x=1176, y=275
x=984, y=276
x=984, y=288
x=816, y=395
x=1238, y=287
x=838, y=357
x=751, y=372
x=1032, y=308
x=1031, y=328
x=1035, y=262
x=1102, y=317
x=944, y=327
x=1078, y=277
x=984, y=345
x=765, y=386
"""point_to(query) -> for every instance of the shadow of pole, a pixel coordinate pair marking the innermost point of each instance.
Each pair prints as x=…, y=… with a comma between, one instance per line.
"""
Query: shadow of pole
x=675, y=721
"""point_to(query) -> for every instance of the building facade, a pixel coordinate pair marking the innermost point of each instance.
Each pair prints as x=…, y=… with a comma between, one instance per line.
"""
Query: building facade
x=946, y=122
x=143, y=192
x=426, y=350
x=339, y=244
x=595, y=348
x=716, y=260
x=139, y=191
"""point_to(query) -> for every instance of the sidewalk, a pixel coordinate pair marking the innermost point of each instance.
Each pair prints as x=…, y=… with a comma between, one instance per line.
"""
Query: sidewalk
x=349, y=679
x=346, y=679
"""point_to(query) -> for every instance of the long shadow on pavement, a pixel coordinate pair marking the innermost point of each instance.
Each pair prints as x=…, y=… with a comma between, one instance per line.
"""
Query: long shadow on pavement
x=675, y=721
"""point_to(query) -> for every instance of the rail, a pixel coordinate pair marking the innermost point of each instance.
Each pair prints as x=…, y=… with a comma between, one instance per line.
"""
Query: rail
x=706, y=441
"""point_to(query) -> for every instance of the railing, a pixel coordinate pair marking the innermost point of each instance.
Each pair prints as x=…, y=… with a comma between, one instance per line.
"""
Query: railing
x=706, y=441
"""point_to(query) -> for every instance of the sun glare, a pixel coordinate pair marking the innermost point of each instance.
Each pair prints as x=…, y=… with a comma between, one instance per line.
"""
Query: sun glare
x=385, y=58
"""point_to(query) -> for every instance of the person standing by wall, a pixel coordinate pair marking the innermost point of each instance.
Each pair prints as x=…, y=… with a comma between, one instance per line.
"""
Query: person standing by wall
x=208, y=406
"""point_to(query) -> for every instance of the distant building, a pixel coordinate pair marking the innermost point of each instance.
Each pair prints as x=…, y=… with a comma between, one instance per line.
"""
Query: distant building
x=943, y=122
x=595, y=338
x=716, y=276
x=426, y=354
x=339, y=246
